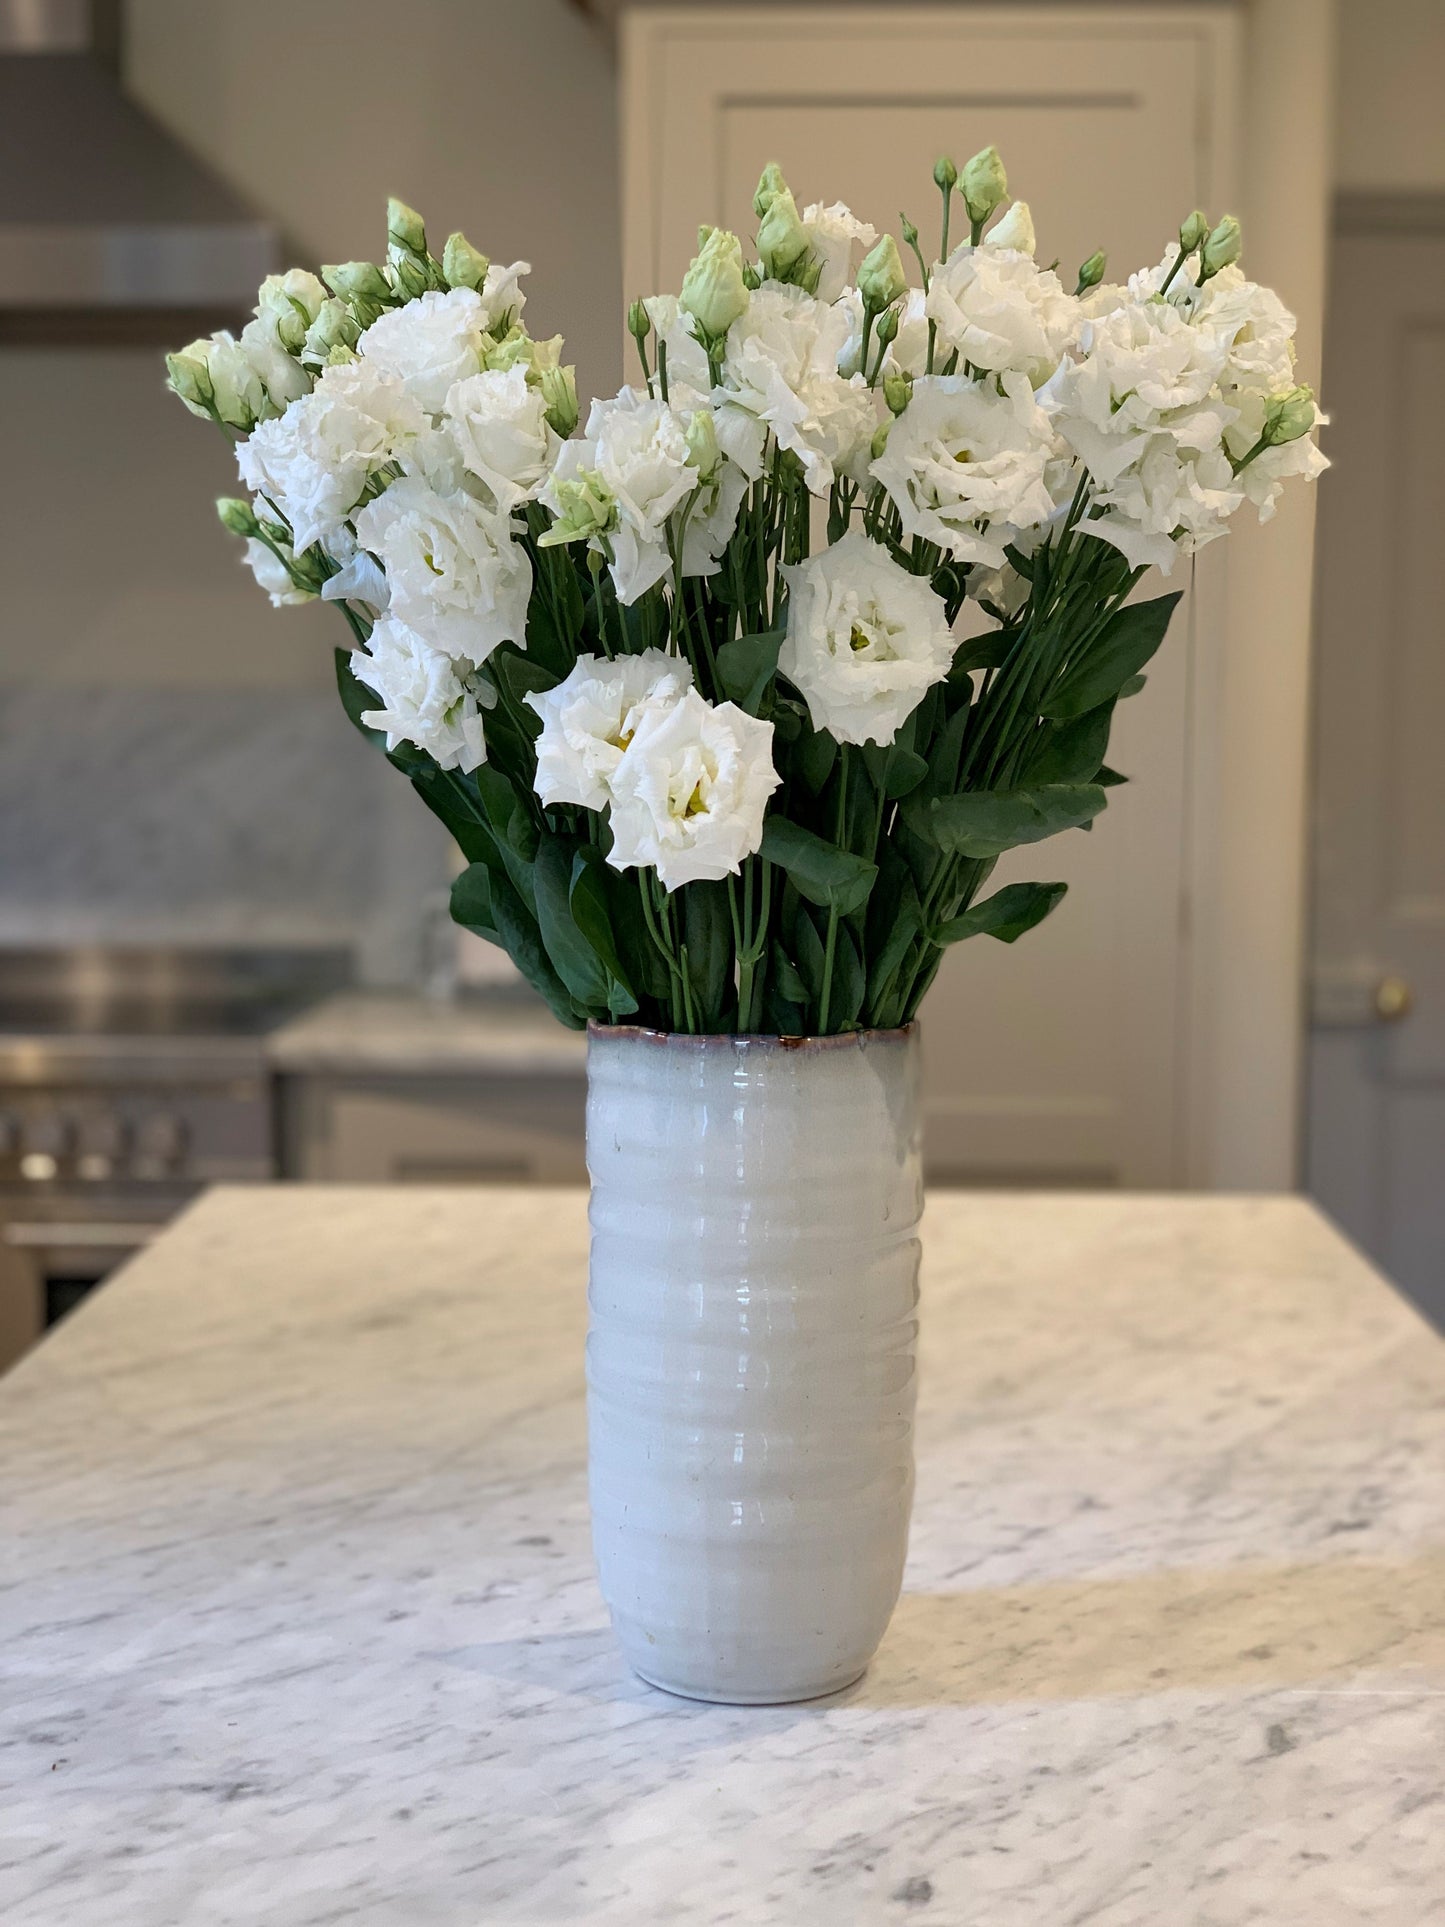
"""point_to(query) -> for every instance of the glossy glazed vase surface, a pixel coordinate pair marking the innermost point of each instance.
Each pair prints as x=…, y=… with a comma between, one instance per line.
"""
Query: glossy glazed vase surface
x=751, y=1352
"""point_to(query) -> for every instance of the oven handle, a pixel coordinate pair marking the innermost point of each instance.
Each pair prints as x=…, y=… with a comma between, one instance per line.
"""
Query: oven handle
x=53, y=1236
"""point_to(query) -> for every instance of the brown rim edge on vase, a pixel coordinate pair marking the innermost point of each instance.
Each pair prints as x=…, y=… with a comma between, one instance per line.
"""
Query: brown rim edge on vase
x=760, y=1039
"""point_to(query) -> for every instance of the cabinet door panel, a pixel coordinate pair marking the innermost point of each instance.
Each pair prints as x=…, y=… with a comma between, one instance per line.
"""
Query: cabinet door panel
x=1058, y=1059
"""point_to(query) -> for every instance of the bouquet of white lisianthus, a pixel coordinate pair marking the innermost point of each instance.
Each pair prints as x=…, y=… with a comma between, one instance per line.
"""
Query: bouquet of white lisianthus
x=733, y=701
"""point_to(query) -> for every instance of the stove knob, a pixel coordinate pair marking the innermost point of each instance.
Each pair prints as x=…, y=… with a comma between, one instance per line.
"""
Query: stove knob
x=104, y=1136
x=161, y=1140
x=46, y=1141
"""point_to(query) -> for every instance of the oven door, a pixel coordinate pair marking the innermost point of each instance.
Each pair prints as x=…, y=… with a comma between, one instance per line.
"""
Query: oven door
x=56, y=1249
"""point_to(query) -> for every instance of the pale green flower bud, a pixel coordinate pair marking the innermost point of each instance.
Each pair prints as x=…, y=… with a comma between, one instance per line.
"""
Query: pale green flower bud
x=1015, y=230
x=585, y=508
x=945, y=173
x=333, y=327
x=237, y=516
x=702, y=449
x=983, y=184
x=500, y=352
x=782, y=243
x=880, y=440
x=341, y=356
x=908, y=231
x=1221, y=248
x=1092, y=272
x=639, y=322
x=1288, y=416
x=713, y=290
x=752, y=280
x=351, y=279
x=886, y=330
x=897, y=390
x=410, y=276
x=463, y=266
x=1193, y=231
x=559, y=390
x=404, y=228
x=288, y=304
x=770, y=185
x=214, y=378
x=881, y=279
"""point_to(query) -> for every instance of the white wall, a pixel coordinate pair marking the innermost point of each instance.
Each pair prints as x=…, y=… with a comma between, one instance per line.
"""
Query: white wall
x=488, y=115
x=1390, y=109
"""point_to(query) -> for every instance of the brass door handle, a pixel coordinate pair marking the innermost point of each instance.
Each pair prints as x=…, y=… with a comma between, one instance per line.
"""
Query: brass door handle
x=1394, y=999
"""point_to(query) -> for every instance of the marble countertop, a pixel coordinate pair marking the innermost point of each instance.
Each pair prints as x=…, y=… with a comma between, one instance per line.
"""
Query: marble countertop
x=403, y=1033
x=298, y=1622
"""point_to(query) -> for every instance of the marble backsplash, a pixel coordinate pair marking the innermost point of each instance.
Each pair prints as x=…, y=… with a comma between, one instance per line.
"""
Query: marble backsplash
x=212, y=815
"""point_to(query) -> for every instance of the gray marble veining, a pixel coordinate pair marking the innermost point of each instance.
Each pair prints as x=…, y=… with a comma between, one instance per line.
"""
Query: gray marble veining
x=298, y=1622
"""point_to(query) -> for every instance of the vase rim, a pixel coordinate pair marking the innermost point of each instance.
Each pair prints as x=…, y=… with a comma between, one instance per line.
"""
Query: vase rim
x=757, y=1040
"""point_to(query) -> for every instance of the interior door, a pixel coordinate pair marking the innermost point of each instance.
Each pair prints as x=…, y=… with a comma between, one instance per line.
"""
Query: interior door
x=1376, y=1121
x=1058, y=1060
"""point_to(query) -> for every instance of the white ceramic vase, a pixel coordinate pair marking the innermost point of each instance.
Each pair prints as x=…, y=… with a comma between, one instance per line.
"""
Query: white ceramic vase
x=751, y=1353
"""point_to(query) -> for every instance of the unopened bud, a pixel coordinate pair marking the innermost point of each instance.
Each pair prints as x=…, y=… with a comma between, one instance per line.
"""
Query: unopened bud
x=1221, y=249
x=881, y=279
x=945, y=173
x=702, y=449
x=782, y=243
x=1015, y=230
x=237, y=516
x=463, y=266
x=639, y=322
x=1193, y=231
x=559, y=391
x=1288, y=416
x=411, y=277
x=908, y=231
x=897, y=390
x=983, y=184
x=352, y=278
x=586, y=507
x=880, y=440
x=752, y=280
x=404, y=228
x=334, y=327
x=1092, y=272
x=713, y=290
x=886, y=328
x=770, y=185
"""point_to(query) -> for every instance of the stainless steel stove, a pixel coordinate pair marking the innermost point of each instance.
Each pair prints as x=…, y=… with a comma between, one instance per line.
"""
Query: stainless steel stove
x=129, y=1079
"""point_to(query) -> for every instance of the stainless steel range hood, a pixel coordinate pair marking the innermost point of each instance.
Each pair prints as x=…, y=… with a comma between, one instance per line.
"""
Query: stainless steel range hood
x=108, y=229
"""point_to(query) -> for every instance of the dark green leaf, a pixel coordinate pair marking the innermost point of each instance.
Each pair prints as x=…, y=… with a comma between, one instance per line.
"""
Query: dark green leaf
x=1126, y=642
x=785, y=976
x=817, y=753
x=988, y=651
x=1005, y=915
x=1070, y=752
x=472, y=901
x=845, y=995
x=746, y=666
x=707, y=936
x=895, y=771
x=906, y=925
x=522, y=942
x=822, y=872
x=1132, y=687
x=571, y=954
x=985, y=823
x=1021, y=564
x=1109, y=779
x=591, y=907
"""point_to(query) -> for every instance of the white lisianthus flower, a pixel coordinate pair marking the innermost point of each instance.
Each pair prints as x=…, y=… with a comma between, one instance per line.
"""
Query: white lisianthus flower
x=1001, y=311
x=865, y=639
x=282, y=376
x=430, y=344
x=499, y=423
x=690, y=791
x=1258, y=328
x=287, y=304
x=589, y=719
x=423, y=698
x=456, y=576
x=215, y=373
x=273, y=576
x=638, y=449
x=839, y=240
x=1264, y=475
x=502, y=298
x=781, y=369
x=688, y=377
x=907, y=353
x=1166, y=501
x=966, y=464
x=314, y=462
x=359, y=576
x=1015, y=230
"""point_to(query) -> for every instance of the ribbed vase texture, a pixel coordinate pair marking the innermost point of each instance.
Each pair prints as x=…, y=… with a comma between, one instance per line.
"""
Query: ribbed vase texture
x=751, y=1352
